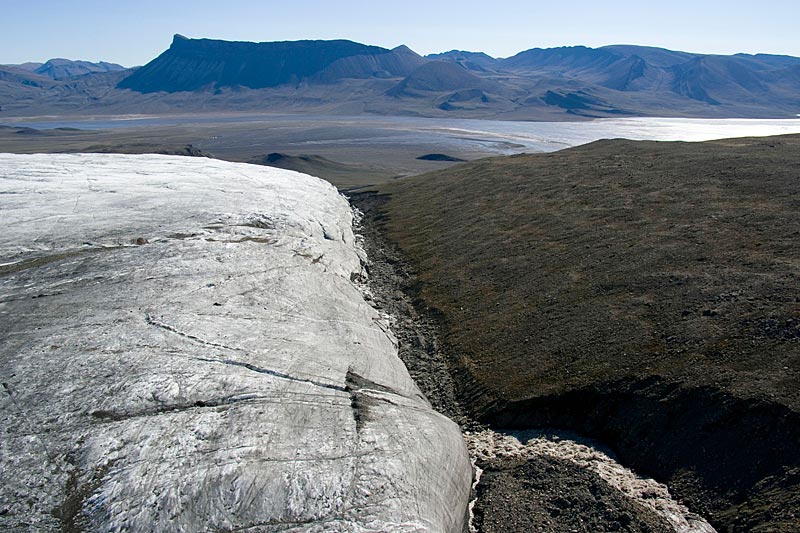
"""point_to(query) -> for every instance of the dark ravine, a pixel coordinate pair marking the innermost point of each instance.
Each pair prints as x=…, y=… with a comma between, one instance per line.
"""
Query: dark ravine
x=536, y=494
x=710, y=465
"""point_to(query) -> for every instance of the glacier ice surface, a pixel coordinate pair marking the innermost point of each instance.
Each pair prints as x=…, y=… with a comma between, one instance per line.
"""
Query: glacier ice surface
x=183, y=349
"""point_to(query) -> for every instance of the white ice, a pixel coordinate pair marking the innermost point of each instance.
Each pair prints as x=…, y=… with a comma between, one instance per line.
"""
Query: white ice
x=222, y=374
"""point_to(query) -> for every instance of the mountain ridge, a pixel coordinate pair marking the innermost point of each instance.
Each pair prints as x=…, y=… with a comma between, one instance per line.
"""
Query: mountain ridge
x=59, y=68
x=346, y=77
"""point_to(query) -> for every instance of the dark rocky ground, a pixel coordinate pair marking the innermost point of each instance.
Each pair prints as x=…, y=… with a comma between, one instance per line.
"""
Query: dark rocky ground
x=538, y=494
x=548, y=494
x=644, y=294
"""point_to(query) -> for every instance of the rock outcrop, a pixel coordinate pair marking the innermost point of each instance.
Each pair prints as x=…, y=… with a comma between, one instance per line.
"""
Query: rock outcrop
x=184, y=348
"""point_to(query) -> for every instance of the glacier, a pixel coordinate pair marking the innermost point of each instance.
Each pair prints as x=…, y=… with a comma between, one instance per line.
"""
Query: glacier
x=184, y=347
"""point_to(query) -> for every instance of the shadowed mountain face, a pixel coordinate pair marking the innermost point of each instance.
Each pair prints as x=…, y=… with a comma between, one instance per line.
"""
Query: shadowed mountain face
x=191, y=64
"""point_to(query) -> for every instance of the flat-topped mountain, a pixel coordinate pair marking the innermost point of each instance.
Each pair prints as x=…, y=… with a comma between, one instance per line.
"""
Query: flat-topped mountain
x=192, y=64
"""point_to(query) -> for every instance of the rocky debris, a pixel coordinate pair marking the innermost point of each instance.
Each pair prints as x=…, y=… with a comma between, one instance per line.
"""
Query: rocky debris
x=572, y=483
x=389, y=288
x=183, y=349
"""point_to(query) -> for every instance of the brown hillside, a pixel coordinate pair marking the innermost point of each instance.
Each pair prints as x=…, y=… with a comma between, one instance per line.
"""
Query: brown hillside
x=644, y=293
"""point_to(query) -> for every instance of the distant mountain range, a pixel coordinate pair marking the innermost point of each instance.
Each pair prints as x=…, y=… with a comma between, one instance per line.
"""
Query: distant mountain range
x=64, y=69
x=345, y=77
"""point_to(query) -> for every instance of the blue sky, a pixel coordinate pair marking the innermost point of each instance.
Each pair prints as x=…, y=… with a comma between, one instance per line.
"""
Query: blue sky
x=134, y=32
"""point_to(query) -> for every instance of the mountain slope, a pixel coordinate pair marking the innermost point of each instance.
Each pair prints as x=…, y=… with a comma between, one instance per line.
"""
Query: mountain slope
x=399, y=61
x=665, y=77
x=567, y=59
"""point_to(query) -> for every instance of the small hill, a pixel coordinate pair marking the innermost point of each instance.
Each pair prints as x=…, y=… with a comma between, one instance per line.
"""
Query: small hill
x=29, y=66
x=439, y=76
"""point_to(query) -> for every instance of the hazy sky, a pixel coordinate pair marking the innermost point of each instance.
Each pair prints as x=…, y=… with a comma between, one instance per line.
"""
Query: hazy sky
x=134, y=32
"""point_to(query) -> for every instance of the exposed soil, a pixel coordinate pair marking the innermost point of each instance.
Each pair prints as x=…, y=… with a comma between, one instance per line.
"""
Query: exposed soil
x=641, y=293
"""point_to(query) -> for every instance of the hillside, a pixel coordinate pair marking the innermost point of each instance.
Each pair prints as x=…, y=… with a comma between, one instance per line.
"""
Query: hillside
x=438, y=77
x=11, y=75
x=642, y=293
